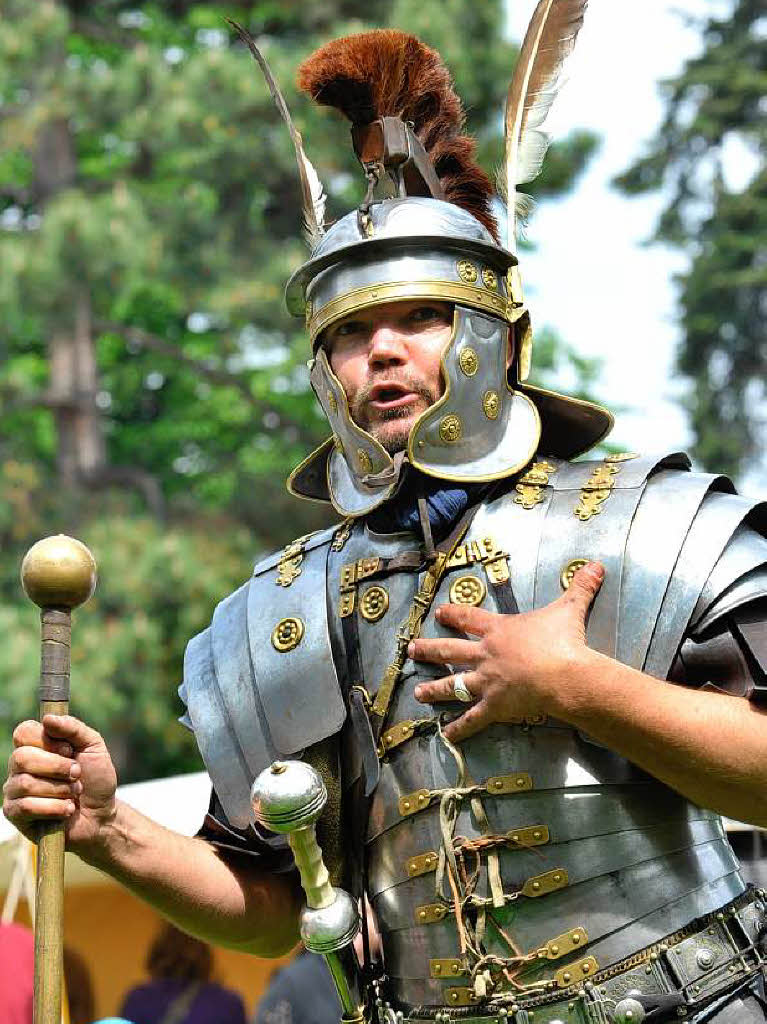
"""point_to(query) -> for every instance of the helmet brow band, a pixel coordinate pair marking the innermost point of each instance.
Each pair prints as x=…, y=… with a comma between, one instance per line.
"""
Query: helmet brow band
x=446, y=291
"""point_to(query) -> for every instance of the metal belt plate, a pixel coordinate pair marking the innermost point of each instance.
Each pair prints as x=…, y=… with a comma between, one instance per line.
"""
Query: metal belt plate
x=446, y=967
x=499, y=785
x=422, y=864
x=460, y=996
x=428, y=913
x=399, y=733
x=574, y=973
x=565, y=943
x=412, y=803
x=550, y=881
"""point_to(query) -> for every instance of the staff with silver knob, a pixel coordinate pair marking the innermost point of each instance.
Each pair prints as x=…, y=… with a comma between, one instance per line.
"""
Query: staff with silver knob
x=288, y=797
x=58, y=574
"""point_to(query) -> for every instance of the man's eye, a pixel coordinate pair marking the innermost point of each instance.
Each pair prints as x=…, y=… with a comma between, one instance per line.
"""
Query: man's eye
x=427, y=314
x=349, y=328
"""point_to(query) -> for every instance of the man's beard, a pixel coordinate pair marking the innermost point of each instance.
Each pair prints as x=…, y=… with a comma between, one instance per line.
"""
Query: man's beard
x=392, y=440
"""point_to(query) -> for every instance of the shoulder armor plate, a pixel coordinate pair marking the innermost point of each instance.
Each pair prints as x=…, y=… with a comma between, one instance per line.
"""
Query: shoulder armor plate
x=260, y=682
x=739, y=576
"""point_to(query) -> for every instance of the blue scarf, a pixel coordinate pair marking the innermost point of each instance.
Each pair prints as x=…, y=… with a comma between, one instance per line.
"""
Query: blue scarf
x=444, y=502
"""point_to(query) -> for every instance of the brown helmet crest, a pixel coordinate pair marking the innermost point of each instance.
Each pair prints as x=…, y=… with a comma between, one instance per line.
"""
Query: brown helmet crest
x=386, y=73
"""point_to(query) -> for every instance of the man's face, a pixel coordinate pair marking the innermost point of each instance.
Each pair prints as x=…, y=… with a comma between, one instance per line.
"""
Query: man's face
x=387, y=359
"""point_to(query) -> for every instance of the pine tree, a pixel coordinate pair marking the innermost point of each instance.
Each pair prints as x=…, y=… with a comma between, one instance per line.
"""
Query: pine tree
x=717, y=100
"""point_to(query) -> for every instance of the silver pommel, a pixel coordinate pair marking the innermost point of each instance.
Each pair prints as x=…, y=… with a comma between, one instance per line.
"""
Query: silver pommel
x=288, y=797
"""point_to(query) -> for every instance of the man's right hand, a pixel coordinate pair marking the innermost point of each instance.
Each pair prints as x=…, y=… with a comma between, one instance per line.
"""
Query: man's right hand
x=60, y=769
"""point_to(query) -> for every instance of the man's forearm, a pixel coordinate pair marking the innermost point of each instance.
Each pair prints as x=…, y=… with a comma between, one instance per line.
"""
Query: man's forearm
x=224, y=900
x=707, y=746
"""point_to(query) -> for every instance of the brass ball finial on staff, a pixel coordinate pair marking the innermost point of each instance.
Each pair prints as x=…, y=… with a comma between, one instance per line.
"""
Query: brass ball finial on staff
x=58, y=574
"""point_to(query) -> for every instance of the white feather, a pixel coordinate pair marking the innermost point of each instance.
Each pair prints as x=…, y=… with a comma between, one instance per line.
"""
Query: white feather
x=314, y=230
x=537, y=78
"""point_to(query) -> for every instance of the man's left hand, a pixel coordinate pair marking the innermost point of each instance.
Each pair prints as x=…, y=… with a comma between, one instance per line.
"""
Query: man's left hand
x=520, y=665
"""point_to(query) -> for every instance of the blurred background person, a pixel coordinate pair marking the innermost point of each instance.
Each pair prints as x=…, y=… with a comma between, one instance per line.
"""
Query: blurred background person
x=181, y=990
x=79, y=987
x=17, y=946
x=302, y=992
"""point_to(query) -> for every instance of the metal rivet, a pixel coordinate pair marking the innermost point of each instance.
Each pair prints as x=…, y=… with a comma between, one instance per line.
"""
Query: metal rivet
x=422, y=915
x=520, y=782
x=406, y=805
x=537, y=835
x=421, y=798
x=438, y=968
x=536, y=885
x=515, y=839
x=566, y=976
x=555, y=949
x=498, y=784
x=705, y=959
x=576, y=937
x=557, y=878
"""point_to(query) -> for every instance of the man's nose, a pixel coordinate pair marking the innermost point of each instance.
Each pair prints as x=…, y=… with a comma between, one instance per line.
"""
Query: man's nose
x=387, y=346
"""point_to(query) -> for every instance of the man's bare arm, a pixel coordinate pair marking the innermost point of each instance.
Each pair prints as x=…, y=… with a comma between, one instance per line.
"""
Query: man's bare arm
x=64, y=771
x=708, y=746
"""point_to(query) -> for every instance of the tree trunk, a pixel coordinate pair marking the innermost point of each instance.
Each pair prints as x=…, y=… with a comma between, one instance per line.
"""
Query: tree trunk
x=73, y=387
x=74, y=372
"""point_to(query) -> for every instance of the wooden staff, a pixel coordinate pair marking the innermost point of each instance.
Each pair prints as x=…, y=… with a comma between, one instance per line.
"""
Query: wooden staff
x=58, y=574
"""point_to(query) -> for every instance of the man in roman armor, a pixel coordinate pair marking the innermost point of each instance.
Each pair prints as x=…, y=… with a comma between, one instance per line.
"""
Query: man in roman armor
x=530, y=684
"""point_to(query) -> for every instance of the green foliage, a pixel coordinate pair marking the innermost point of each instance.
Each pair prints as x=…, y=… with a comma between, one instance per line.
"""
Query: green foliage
x=158, y=587
x=147, y=181
x=717, y=99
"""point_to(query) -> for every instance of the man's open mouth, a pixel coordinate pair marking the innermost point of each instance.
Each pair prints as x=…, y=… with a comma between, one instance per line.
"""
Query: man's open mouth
x=391, y=396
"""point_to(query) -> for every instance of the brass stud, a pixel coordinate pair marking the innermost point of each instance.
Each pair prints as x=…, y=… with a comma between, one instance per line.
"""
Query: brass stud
x=467, y=271
x=469, y=590
x=557, y=878
x=468, y=361
x=555, y=949
x=489, y=278
x=520, y=783
x=515, y=839
x=287, y=634
x=567, y=976
x=438, y=968
x=491, y=404
x=374, y=603
x=537, y=834
x=406, y=804
x=450, y=429
x=536, y=886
